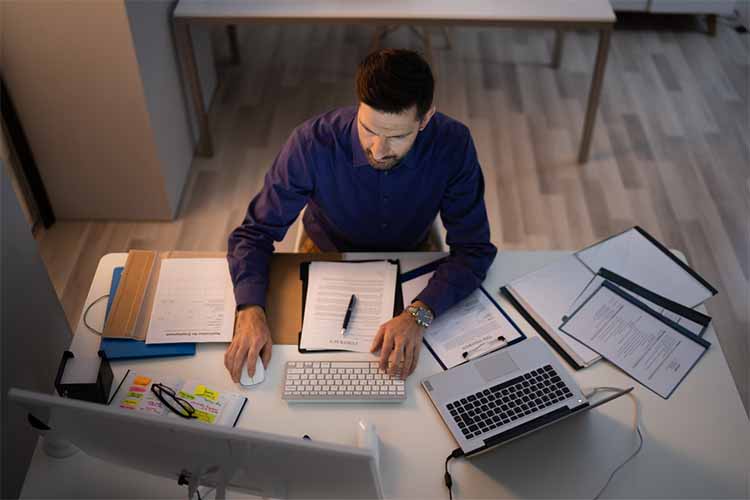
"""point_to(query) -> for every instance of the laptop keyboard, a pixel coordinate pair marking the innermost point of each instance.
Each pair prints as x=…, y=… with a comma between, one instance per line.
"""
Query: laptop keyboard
x=503, y=403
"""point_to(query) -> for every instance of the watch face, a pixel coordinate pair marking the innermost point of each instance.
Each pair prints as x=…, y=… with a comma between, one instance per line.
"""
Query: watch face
x=423, y=316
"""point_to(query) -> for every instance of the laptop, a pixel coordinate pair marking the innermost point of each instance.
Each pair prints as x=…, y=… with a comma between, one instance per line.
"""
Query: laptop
x=499, y=397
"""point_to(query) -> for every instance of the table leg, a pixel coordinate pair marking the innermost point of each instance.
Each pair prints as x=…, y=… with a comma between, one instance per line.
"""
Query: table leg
x=191, y=79
x=557, y=51
x=596, y=88
x=234, y=44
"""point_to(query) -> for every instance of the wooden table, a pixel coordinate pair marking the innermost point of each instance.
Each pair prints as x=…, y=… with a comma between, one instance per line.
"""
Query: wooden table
x=560, y=15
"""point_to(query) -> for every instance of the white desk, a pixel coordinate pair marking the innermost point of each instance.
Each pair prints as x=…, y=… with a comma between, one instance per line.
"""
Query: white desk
x=696, y=443
x=558, y=14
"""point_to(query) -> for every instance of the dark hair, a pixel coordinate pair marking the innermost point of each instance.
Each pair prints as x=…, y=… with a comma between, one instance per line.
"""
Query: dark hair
x=394, y=80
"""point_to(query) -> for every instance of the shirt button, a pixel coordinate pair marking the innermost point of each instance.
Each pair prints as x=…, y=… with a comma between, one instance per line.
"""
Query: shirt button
x=385, y=172
x=384, y=226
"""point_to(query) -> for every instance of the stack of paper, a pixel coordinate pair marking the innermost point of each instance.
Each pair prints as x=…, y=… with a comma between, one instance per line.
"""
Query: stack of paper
x=330, y=286
x=194, y=302
x=634, y=262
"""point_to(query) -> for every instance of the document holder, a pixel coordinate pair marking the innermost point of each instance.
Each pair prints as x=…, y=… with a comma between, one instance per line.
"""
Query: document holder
x=94, y=392
x=130, y=313
x=304, y=273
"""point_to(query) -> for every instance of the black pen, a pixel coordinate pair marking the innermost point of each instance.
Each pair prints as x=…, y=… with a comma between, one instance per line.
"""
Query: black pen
x=465, y=354
x=348, y=315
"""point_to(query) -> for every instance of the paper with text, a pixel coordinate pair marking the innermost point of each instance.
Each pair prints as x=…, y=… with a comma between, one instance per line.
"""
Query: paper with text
x=472, y=326
x=194, y=302
x=596, y=282
x=330, y=285
x=653, y=352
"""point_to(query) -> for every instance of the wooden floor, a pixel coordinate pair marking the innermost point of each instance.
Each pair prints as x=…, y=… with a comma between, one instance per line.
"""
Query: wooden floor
x=670, y=149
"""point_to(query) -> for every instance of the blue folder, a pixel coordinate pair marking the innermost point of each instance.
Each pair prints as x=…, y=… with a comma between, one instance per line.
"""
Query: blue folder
x=129, y=348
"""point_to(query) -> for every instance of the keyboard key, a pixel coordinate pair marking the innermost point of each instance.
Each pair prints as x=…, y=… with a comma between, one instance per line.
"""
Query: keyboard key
x=507, y=383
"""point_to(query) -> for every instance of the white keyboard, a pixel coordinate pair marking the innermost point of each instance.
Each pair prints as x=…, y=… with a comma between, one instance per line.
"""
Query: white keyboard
x=340, y=382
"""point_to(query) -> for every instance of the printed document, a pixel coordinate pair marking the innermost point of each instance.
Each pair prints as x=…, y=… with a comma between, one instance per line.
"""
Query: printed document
x=330, y=285
x=472, y=326
x=693, y=326
x=658, y=354
x=194, y=302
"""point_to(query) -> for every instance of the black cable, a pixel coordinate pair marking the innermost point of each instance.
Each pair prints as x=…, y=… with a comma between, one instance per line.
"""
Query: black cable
x=448, y=480
x=86, y=313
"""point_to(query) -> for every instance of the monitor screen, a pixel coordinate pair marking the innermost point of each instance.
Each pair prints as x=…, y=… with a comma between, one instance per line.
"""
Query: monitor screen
x=259, y=463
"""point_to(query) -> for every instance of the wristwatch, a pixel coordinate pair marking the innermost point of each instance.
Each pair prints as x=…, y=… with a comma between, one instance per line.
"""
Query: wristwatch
x=421, y=315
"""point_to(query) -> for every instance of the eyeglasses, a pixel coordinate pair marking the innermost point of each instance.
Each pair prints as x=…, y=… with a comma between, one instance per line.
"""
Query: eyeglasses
x=180, y=406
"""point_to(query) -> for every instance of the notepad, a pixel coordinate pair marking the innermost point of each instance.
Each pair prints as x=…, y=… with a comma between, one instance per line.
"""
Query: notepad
x=212, y=406
x=330, y=285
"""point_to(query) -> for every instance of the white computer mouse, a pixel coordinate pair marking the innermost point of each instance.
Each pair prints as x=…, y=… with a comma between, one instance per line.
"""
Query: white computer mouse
x=260, y=374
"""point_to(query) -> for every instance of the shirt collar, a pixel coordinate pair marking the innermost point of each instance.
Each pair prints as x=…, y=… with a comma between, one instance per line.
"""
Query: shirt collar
x=359, y=158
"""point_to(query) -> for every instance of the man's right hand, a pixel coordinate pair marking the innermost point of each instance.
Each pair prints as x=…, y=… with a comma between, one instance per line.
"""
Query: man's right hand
x=251, y=338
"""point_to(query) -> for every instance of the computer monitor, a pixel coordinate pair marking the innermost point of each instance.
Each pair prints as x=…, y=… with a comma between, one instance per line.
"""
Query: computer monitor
x=259, y=463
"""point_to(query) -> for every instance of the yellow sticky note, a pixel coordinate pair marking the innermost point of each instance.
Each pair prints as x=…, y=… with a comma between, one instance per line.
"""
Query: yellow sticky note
x=203, y=416
x=186, y=395
x=211, y=395
x=141, y=380
x=199, y=390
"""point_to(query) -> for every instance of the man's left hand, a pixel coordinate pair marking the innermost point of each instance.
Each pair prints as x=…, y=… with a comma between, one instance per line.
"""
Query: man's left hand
x=399, y=341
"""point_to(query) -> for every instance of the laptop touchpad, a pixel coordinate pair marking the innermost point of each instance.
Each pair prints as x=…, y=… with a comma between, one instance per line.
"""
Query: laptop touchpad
x=495, y=366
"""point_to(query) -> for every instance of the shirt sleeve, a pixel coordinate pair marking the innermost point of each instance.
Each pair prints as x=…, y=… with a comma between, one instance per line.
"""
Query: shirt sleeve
x=286, y=190
x=464, y=216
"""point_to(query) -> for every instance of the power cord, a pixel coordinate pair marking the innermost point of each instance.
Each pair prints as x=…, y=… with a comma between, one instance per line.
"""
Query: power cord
x=86, y=312
x=639, y=432
x=458, y=453
x=448, y=481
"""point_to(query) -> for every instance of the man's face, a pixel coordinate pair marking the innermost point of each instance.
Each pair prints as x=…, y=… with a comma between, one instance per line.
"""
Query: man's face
x=387, y=137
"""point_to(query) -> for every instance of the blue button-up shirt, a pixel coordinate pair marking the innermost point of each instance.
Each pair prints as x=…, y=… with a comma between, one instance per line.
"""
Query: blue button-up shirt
x=353, y=207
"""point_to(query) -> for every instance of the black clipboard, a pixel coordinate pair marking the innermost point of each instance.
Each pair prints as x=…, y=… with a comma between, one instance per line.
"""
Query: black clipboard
x=691, y=314
x=304, y=274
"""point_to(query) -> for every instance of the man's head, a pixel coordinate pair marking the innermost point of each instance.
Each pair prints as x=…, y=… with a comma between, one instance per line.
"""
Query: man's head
x=395, y=89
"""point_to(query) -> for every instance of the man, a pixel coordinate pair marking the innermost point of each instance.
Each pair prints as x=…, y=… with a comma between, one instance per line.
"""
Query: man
x=373, y=178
